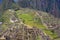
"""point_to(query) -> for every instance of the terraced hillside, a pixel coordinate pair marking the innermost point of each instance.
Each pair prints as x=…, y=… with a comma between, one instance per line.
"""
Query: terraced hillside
x=31, y=18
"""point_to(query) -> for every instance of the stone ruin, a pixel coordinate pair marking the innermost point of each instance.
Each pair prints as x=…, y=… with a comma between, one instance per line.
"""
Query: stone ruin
x=24, y=33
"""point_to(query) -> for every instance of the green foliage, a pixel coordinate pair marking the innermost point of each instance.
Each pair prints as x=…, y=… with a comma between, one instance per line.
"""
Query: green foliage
x=38, y=38
x=5, y=17
x=1, y=19
x=30, y=18
x=4, y=27
x=51, y=34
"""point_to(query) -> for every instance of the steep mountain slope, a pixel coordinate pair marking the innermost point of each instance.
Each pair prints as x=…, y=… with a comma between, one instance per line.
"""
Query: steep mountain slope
x=26, y=18
x=50, y=6
x=32, y=18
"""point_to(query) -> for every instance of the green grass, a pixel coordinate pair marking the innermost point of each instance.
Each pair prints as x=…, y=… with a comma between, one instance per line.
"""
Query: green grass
x=28, y=18
x=51, y=34
x=5, y=17
x=57, y=39
x=4, y=27
x=38, y=38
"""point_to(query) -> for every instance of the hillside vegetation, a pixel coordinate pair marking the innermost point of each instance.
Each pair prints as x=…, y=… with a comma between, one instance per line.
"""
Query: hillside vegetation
x=30, y=18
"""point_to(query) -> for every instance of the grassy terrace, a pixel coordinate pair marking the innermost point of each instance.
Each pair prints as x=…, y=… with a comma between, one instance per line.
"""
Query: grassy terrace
x=31, y=19
x=51, y=34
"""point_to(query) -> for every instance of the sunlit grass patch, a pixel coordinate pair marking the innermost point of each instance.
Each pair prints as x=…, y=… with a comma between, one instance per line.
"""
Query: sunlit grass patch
x=51, y=34
x=31, y=19
x=38, y=38
x=4, y=27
